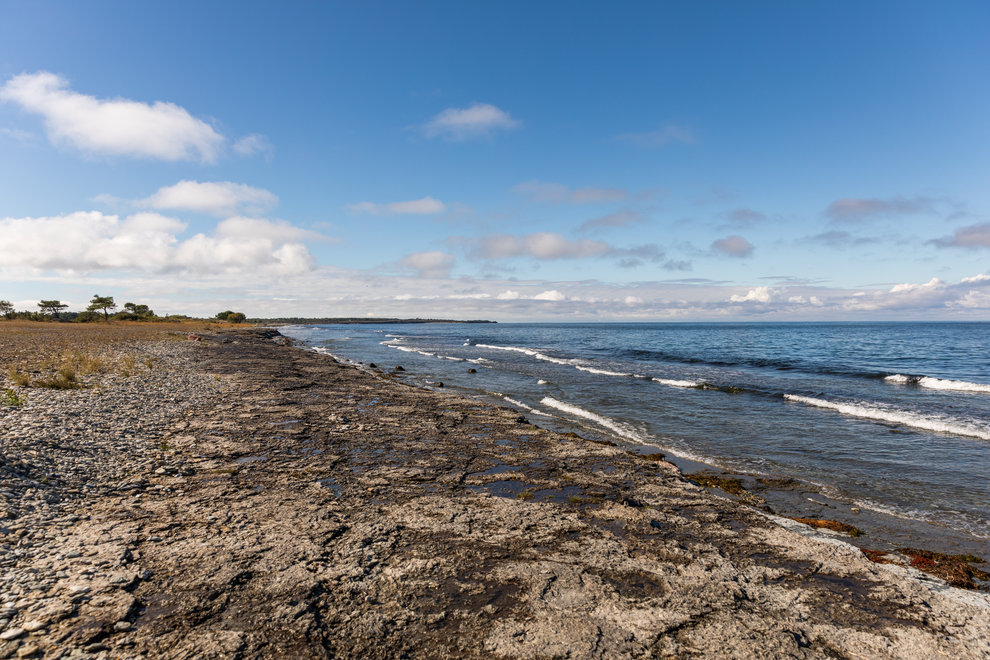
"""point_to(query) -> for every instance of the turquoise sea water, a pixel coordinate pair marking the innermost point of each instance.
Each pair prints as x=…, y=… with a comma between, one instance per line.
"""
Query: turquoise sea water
x=888, y=417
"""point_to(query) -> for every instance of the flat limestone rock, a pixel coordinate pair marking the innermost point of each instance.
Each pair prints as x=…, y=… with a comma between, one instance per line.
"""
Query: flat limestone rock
x=309, y=509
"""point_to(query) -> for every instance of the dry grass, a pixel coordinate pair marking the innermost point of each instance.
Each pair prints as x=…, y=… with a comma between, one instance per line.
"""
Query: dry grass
x=60, y=355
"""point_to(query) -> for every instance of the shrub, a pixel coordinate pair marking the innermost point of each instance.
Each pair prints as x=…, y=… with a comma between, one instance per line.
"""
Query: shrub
x=233, y=317
x=12, y=398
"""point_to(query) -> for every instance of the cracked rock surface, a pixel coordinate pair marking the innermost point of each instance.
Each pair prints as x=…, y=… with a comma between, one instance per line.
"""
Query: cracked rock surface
x=275, y=503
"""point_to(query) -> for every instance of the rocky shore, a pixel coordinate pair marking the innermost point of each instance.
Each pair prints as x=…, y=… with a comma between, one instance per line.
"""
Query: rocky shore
x=232, y=497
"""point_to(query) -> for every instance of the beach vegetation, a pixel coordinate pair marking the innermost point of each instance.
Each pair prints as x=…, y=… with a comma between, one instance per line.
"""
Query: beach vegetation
x=127, y=365
x=83, y=363
x=525, y=496
x=12, y=398
x=102, y=303
x=20, y=378
x=52, y=307
x=64, y=379
x=231, y=317
x=86, y=317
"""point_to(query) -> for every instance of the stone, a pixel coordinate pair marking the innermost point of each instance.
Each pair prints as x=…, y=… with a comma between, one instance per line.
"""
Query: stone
x=11, y=633
x=33, y=625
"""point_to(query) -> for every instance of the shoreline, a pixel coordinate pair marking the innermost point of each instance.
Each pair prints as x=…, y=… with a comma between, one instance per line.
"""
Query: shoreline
x=778, y=493
x=304, y=507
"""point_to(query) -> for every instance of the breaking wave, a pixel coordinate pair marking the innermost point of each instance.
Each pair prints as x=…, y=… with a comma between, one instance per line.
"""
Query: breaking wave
x=622, y=430
x=604, y=372
x=938, y=383
x=676, y=383
x=520, y=404
x=895, y=416
x=527, y=351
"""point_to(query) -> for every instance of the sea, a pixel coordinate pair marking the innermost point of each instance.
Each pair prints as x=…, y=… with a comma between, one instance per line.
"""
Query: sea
x=883, y=424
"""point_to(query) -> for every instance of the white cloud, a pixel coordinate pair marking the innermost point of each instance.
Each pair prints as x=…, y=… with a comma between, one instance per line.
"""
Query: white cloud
x=149, y=243
x=666, y=135
x=249, y=145
x=434, y=264
x=542, y=245
x=733, y=246
x=761, y=294
x=115, y=127
x=558, y=193
x=477, y=120
x=508, y=294
x=554, y=296
x=220, y=198
x=424, y=206
x=277, y=231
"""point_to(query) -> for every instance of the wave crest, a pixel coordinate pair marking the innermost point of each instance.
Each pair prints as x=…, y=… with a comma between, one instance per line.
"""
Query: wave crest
x=895, y=416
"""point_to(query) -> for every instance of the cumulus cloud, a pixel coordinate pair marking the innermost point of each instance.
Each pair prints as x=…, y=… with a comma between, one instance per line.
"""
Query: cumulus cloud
x=857, y=209
x=474, y=121
x=149, y=242
x=218, y=198
x=733, y=246
x=666, y=135
x=761, y=294
x=973, y=236
x=553, y=296
x=618, y=219
x=424, y=206
x=114, y=127
x=557, y=193
x=434, y=264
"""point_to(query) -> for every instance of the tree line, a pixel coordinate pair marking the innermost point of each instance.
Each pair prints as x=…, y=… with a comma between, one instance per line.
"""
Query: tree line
x=99, y=309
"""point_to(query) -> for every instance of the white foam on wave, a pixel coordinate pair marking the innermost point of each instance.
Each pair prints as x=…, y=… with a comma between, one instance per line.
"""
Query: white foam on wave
x=603, y=372
x=895, y=416
x=541, y=382
x=938, y=383
x=676, y=383
x=408, y=349
x=527, y=351
x=618, y=428
x=520, y=404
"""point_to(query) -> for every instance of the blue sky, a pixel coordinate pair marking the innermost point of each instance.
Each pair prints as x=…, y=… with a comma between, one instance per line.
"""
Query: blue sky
x=514, y=161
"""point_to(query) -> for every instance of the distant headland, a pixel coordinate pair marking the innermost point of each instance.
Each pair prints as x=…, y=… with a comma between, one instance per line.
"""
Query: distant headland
x=354, y=320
